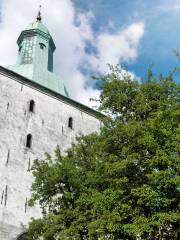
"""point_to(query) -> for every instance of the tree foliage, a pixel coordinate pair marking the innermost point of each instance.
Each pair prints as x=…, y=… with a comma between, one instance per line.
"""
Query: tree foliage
x=120, y=183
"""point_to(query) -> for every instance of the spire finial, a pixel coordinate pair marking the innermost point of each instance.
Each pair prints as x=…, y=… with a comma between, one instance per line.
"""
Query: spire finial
x=39, y=18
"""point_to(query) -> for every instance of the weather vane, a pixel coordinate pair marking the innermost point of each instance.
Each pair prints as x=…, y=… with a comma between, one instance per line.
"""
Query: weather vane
x=39, y=18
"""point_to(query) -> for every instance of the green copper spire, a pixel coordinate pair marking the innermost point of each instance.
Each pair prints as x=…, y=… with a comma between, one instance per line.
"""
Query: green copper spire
x=35, y=56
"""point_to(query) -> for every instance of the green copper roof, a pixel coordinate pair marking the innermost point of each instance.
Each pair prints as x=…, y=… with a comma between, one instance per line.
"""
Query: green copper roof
x=35, y=57
x=37, y=25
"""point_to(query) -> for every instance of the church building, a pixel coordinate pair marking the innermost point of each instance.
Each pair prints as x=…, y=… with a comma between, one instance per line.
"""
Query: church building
x=36, y=115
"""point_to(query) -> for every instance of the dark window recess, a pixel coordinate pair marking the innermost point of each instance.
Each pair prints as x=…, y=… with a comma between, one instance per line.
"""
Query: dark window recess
x=21, y=87
x=20, y=49
x=31, y=106
x=42, y=45
x=70, y=123
x=8, y=155
x=22, y=237
x=7, y=106
x=29, y=141
x=29, y=165
x=26, y=205
x=5, y=200
x=2, y=197
x=42, y=122
x=62, y=131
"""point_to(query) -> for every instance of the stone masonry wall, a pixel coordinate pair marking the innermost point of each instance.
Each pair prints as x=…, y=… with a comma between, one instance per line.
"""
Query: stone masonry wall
x=49, y=128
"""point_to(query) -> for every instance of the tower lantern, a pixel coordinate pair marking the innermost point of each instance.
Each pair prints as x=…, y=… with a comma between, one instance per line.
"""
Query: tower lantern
x=35, y=56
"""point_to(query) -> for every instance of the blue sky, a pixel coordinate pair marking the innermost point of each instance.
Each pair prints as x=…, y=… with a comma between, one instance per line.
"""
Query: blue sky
x=162, y=28
x=91, y=33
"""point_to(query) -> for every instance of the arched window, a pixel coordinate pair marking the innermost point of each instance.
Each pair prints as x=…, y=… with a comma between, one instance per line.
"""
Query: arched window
x=22, y=237
x=31, y=106
x=29, y=141
x=70, y=123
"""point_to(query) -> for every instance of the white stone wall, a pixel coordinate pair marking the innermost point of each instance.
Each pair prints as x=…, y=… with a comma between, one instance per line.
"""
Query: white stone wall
x=49, y=128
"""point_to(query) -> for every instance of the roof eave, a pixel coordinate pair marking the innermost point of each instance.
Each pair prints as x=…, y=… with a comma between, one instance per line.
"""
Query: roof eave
x=46, y=90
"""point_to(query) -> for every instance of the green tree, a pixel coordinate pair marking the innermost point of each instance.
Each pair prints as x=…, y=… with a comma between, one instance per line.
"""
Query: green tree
x=120, y=183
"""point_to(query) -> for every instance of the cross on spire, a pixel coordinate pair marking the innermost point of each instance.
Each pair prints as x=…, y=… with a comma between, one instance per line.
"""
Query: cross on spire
x=39, y=18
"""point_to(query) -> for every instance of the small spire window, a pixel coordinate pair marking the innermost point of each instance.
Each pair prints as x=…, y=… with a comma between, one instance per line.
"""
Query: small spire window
x=31, y=106
x=42, y=45
x=29, y=141
x=70, y=122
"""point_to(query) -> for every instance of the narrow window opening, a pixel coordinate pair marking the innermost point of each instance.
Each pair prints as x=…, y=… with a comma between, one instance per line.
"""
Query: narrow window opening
x=21, y=87
x=22, y=237
x=29, y=141
x=29, y=165
x=62, y=131
x=5, y=201
x=8, y=155
x=7, y=105
x=42, y=122
x=2, y=197
x=31, y=106
x=20, y=49
x=26, y=205
x=70, y=123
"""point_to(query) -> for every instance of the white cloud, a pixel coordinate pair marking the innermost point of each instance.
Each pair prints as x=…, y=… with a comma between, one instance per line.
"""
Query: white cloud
x=119, y=47
x=71, y=41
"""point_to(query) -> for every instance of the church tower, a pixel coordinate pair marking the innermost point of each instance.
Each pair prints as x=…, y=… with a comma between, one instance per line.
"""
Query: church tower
x=35, y=56
x=36, y=115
